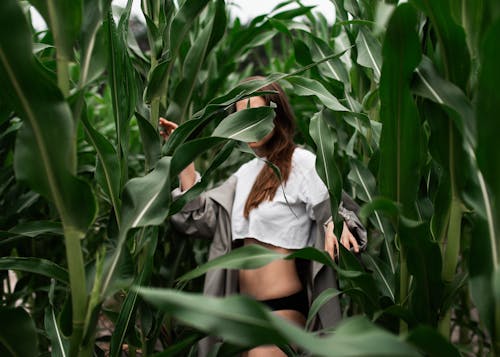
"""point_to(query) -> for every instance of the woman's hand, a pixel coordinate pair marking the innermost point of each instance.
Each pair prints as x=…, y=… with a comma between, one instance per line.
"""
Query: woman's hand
x=332, y=244
x=187, y=177
x=167, y=127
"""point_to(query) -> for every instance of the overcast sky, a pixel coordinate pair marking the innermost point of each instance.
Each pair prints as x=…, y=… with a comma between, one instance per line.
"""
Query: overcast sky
x=244, y=9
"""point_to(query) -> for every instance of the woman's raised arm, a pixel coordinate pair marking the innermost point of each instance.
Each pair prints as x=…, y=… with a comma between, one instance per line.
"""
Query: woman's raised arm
x=187, y=177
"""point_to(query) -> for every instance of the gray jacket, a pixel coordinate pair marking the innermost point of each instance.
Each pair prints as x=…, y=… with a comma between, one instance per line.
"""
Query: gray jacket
x=209, y=216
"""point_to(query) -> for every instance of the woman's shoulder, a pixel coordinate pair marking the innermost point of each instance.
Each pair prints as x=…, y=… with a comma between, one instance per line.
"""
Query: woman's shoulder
x=247, y=168
x=303, y=159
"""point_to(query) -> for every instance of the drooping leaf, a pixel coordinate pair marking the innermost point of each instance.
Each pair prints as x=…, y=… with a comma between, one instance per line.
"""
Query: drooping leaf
x=35, y=265
x=305, y=86
x=243, y=321
x=248, y=257
x=35, y=228
x=247, y=125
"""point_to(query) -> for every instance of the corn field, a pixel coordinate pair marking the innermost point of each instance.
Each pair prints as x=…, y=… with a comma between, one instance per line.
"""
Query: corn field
x=397, y=99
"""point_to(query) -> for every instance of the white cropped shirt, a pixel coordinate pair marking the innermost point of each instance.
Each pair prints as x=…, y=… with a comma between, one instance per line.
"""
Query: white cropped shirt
x=273, y=222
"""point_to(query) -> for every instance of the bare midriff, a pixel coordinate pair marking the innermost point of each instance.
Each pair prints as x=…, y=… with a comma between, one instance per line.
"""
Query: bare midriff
x=274, y=280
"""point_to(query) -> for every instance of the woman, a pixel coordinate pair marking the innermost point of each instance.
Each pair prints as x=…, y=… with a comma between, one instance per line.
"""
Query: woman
x=251, y=208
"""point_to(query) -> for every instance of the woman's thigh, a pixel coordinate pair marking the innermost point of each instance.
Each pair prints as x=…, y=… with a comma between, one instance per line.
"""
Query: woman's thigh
x=274, y=351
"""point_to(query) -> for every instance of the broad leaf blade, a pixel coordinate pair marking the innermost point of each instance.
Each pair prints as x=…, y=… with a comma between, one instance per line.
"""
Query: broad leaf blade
x=400, y=139
x=44, y=163
x=246, y=125
x=324, y=138
x=35, y=265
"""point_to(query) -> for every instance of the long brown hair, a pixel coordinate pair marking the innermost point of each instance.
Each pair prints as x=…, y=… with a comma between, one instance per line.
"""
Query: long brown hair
x=278, y=150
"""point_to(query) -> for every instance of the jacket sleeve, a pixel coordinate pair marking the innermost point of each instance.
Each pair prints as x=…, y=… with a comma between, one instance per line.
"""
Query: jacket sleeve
x=198, y=217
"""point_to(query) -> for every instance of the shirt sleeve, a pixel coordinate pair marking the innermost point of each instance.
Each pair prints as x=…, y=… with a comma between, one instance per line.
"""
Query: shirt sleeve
x=312, y=191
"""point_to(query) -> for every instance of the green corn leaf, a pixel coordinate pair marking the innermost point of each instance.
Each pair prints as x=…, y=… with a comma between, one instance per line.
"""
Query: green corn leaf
x=150, y=140
x=64, y=19
x=429, y=84
x=358, y=280
x=187, y=152
x=245, y=89
x=190, y=72
x=334, y=68
x=305, y=86
x=487, y=152
x=35, y=265
x=451, y=40
x=424, y=262
x=182, y=22
x=400, y=140
x=364, y=180
x=248, y=257
x=36, y=228
x=42, y=162
x=369, y=52
x=145, y=202
x=200, y=186
x=389, y=207
x=242, y=321
x=146, y=199
x=325, y=296
x=383, y=276
x=484, y=260
x=94, y=12
x=290, y=14
x=325, y=140
x=247, y=125
x=108, y=166
x=219, y=26
x=430, y=342
x=59, y=343
x=19, y=336
x=122, y=83
x=157, y=81
x=131, y=302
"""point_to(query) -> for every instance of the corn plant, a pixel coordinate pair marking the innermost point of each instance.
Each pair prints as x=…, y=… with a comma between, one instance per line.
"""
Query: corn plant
x=399, y=97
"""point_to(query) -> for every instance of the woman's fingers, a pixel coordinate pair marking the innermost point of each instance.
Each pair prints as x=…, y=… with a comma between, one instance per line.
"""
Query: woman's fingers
x=331, y=242
x=348, y=240
x=167, y=127
x=336, y=250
